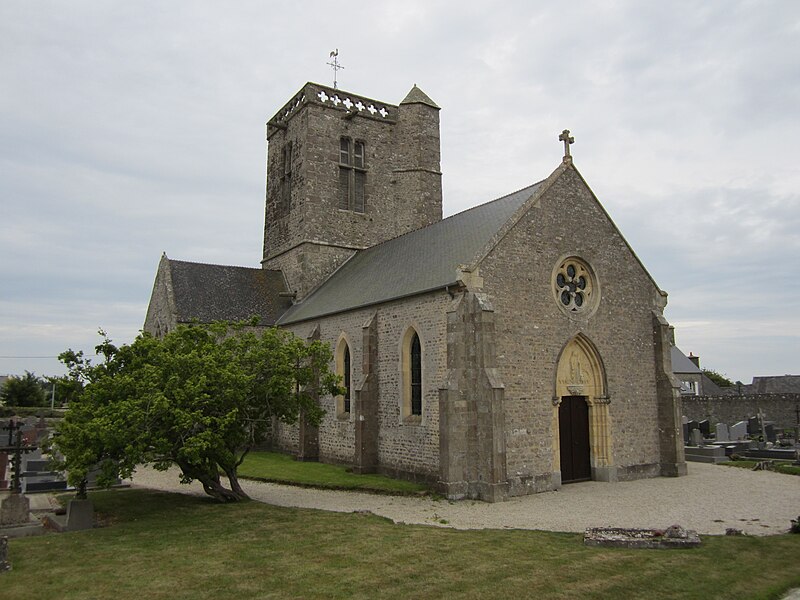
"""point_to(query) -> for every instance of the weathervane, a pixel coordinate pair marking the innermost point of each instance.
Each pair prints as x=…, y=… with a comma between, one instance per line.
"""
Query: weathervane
x=336, y=66
x=564, y=137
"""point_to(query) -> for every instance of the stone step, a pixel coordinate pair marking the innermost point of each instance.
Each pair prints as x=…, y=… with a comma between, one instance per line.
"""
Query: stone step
x=706, y=454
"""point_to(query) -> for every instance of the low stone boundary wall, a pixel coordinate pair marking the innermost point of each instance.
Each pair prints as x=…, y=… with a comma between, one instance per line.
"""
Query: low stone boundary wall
x=778, y=408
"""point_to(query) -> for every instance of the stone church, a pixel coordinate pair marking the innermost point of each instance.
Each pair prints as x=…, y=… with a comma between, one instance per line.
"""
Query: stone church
x=509, y=349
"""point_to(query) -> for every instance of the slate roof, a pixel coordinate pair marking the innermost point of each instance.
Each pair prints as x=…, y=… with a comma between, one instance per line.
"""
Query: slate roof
x=207, y=293
x=417, y=96
x=775, y=384
x=681, y=363
x=416, y=262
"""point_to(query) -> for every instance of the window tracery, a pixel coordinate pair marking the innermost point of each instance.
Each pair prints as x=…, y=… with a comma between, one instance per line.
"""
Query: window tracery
x=574, y=285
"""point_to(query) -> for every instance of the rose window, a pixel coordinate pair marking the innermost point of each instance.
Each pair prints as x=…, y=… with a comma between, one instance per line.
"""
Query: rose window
x=573, y=285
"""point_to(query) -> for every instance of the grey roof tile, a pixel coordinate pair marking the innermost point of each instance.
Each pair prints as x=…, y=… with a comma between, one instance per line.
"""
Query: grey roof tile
x=775, y=384
x=207, y=293
x=417, y=96
x=416, y=262
x=681, y=363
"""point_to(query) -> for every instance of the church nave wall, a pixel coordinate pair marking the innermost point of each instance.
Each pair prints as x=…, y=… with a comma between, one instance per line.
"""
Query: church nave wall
x=406, y=447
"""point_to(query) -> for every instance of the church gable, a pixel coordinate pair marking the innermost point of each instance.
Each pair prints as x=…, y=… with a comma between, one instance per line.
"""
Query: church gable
x=187, y=292
x=161, y=315
x=564, y=227
x=573, y=201
x=561, y=268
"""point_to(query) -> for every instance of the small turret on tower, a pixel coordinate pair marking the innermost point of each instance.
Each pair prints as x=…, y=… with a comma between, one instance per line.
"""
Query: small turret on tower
x=418, y=170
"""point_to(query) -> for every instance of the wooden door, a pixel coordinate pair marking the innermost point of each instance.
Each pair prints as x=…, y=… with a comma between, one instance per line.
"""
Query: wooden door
x=573, y=426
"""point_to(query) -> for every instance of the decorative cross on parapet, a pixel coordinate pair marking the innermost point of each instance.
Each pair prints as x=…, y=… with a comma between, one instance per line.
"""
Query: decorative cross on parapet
x=335, y=65
x=564, y=137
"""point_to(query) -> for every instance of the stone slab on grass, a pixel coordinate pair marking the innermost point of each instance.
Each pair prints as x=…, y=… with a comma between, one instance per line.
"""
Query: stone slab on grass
x=616, y=537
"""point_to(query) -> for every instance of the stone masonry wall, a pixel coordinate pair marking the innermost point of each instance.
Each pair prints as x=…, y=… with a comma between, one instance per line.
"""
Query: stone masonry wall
x=779, y=408
x=532, y=331
x=405, y=449
x=308, y=265
x=160, y=317
x=395, y=201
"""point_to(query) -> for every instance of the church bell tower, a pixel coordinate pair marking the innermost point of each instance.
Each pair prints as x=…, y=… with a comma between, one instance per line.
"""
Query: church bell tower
x=345, y=172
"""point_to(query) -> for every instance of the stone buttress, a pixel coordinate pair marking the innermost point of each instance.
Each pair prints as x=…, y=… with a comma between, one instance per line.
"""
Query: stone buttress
x=471, y=419
x=309, y=434
x=673, y=460
x=366, y=403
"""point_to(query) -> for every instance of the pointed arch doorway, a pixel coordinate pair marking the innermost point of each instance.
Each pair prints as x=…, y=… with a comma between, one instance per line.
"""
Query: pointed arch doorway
x=581, y=421
x=573, y=438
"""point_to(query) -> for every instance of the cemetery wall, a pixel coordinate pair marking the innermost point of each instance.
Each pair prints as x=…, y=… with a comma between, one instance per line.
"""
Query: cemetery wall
x=778, y=408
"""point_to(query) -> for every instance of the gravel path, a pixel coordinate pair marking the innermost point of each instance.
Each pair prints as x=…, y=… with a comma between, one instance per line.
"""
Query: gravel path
x=709, y=500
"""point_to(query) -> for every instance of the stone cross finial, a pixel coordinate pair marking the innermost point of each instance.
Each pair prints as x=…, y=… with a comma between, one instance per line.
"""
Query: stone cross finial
x=564, y=137
x=335, y=66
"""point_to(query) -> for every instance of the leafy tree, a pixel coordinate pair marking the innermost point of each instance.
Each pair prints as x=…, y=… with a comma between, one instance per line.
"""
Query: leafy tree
x=199, y=398
x=67, y=389
x=717, y=378
x=23, y=391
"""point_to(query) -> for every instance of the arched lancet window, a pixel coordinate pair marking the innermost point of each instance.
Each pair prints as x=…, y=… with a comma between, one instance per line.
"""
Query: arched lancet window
x=345, y=371
x=347, y=378
x=416, y=376
x=411, y=366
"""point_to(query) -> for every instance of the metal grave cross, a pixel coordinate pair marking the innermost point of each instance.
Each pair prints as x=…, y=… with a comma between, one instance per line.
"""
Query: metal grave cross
x=17, y=449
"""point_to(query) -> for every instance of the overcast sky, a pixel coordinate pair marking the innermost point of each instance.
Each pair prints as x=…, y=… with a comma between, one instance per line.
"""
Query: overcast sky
x=132, y=128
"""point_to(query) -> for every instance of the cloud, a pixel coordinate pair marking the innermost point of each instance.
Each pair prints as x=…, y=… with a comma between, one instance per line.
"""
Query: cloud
x=128, y=129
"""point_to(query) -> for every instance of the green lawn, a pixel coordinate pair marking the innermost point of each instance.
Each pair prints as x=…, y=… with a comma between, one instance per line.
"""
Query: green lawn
x=785, y=467
x=282, y=468
x=170, y=546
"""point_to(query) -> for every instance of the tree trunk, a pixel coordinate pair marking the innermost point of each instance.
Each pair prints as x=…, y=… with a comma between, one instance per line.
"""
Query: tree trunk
x=233, y=478
x=212, y=486
x=218, y=491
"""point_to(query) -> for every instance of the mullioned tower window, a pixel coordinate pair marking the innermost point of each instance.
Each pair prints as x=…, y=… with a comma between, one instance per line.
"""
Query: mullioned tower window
x=352, y=175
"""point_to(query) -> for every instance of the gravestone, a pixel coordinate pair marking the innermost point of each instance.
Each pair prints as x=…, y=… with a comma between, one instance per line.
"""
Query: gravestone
x=705, y=428
x=5, y=480
x=769, y=429
x=753, y=426
x=685, y=432
x=15, y=509
x=4, y=564
x=739, y=431
x=80, y=514
x=723, y=435
x=697, y=437
x=38, y=475
x=693, y=425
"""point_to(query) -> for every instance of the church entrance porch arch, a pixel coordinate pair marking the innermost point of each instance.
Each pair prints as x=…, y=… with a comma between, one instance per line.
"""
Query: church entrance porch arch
x=581, y=422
